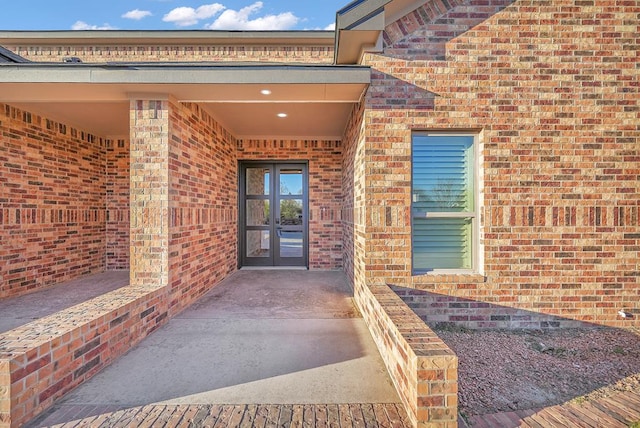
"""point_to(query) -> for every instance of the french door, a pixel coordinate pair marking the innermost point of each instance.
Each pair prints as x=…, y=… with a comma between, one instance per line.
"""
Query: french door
x=273, y=214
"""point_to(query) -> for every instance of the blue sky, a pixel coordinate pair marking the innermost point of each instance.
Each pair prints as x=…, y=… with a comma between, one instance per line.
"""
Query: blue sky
x=169, y=14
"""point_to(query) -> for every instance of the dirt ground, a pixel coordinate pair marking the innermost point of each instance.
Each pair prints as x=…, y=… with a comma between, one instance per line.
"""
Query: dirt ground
x=520, y=370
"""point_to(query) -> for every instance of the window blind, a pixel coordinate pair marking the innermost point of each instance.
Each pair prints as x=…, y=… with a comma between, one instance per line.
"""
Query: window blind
x=443, y=204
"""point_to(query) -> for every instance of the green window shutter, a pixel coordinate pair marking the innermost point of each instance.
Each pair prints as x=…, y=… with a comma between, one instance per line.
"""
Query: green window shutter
x=443, y=203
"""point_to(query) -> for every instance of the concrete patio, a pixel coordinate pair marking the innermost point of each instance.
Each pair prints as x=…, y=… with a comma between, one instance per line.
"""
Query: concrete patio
x=289, y=339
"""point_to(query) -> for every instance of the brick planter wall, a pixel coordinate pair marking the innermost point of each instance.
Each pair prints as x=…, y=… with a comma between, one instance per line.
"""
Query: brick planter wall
x=52, y=205
x=42, y=360
x=423, y=369
x=445, y=310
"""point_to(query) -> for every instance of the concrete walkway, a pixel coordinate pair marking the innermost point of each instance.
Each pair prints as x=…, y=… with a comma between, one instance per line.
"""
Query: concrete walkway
x=290, y=339
x=16, y=311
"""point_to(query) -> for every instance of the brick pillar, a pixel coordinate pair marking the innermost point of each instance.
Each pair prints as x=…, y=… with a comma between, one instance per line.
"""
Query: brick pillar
x=149, y=192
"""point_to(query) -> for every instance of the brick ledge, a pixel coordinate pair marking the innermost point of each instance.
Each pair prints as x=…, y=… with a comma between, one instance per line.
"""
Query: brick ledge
x=422, y=367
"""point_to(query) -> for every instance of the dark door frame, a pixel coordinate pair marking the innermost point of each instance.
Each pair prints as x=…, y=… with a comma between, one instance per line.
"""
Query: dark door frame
x=275, y=229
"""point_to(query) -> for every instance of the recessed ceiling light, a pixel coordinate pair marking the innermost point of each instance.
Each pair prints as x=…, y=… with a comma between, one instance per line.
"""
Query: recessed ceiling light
x=282, y=114
x=265, y=92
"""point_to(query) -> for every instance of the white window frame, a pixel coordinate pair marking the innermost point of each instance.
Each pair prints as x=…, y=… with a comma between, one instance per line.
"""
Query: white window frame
x=476, y=249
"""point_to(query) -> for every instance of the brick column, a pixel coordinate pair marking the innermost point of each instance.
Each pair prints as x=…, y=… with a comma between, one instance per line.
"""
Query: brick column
x=149, y=192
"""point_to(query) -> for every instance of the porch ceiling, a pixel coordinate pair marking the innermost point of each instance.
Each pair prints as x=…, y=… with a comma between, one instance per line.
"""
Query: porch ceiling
x=316, y=99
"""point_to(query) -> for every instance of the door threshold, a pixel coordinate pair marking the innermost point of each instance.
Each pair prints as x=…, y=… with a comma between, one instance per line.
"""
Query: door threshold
x=274, y=268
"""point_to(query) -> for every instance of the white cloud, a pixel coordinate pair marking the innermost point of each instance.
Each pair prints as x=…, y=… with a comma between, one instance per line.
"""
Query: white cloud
x=186, y=16
x=81, y=25
x=137, y=14
x=240, y=20
x=330, y=27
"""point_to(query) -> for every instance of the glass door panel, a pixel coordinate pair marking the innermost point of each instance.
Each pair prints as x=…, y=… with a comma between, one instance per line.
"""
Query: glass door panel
x=257, y=181
x=258, y=212
x=291, y=212
x=290, y=240
x=258, y=243
x=290, y=181
x=256, y=216
x=290, y=244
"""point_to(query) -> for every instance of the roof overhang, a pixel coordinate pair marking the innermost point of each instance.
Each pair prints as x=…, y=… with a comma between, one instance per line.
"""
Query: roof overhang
x=360, y=24
x=359, y=27
x=317, y=99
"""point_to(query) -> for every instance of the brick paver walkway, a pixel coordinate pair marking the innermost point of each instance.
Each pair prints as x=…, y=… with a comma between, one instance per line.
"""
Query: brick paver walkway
x=620, y=410
x=214, y=416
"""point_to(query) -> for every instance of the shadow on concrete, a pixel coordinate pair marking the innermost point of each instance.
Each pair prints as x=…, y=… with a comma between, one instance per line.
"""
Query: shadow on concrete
x=276, y=337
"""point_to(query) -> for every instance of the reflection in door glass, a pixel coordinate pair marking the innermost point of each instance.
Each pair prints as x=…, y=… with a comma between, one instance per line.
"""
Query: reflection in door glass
x=257, y=181
x=290, y=244
x=290, y=182
x=257, y=212
x=258, y=243
x=290, y=212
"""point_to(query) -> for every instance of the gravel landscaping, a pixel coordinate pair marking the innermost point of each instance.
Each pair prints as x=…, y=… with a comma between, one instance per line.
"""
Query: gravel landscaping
x=518, y=370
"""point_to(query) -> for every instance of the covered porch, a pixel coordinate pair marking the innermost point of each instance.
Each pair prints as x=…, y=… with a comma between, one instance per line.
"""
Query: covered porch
x=152, y=190
x=281, y=342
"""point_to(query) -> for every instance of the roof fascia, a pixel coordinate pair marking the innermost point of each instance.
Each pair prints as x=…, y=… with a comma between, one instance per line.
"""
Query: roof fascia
x=182, y=74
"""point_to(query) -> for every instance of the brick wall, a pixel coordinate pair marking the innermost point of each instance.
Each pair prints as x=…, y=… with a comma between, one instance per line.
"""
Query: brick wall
x=446, y=311
x=353, y=188
x=203, y=203
x=117, y=182
x=325, y=190
x=552, y=90
x=52, y=202
x=176, y=53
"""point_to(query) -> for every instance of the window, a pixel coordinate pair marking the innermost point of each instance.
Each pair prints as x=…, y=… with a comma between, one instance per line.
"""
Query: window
x=444, y=205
